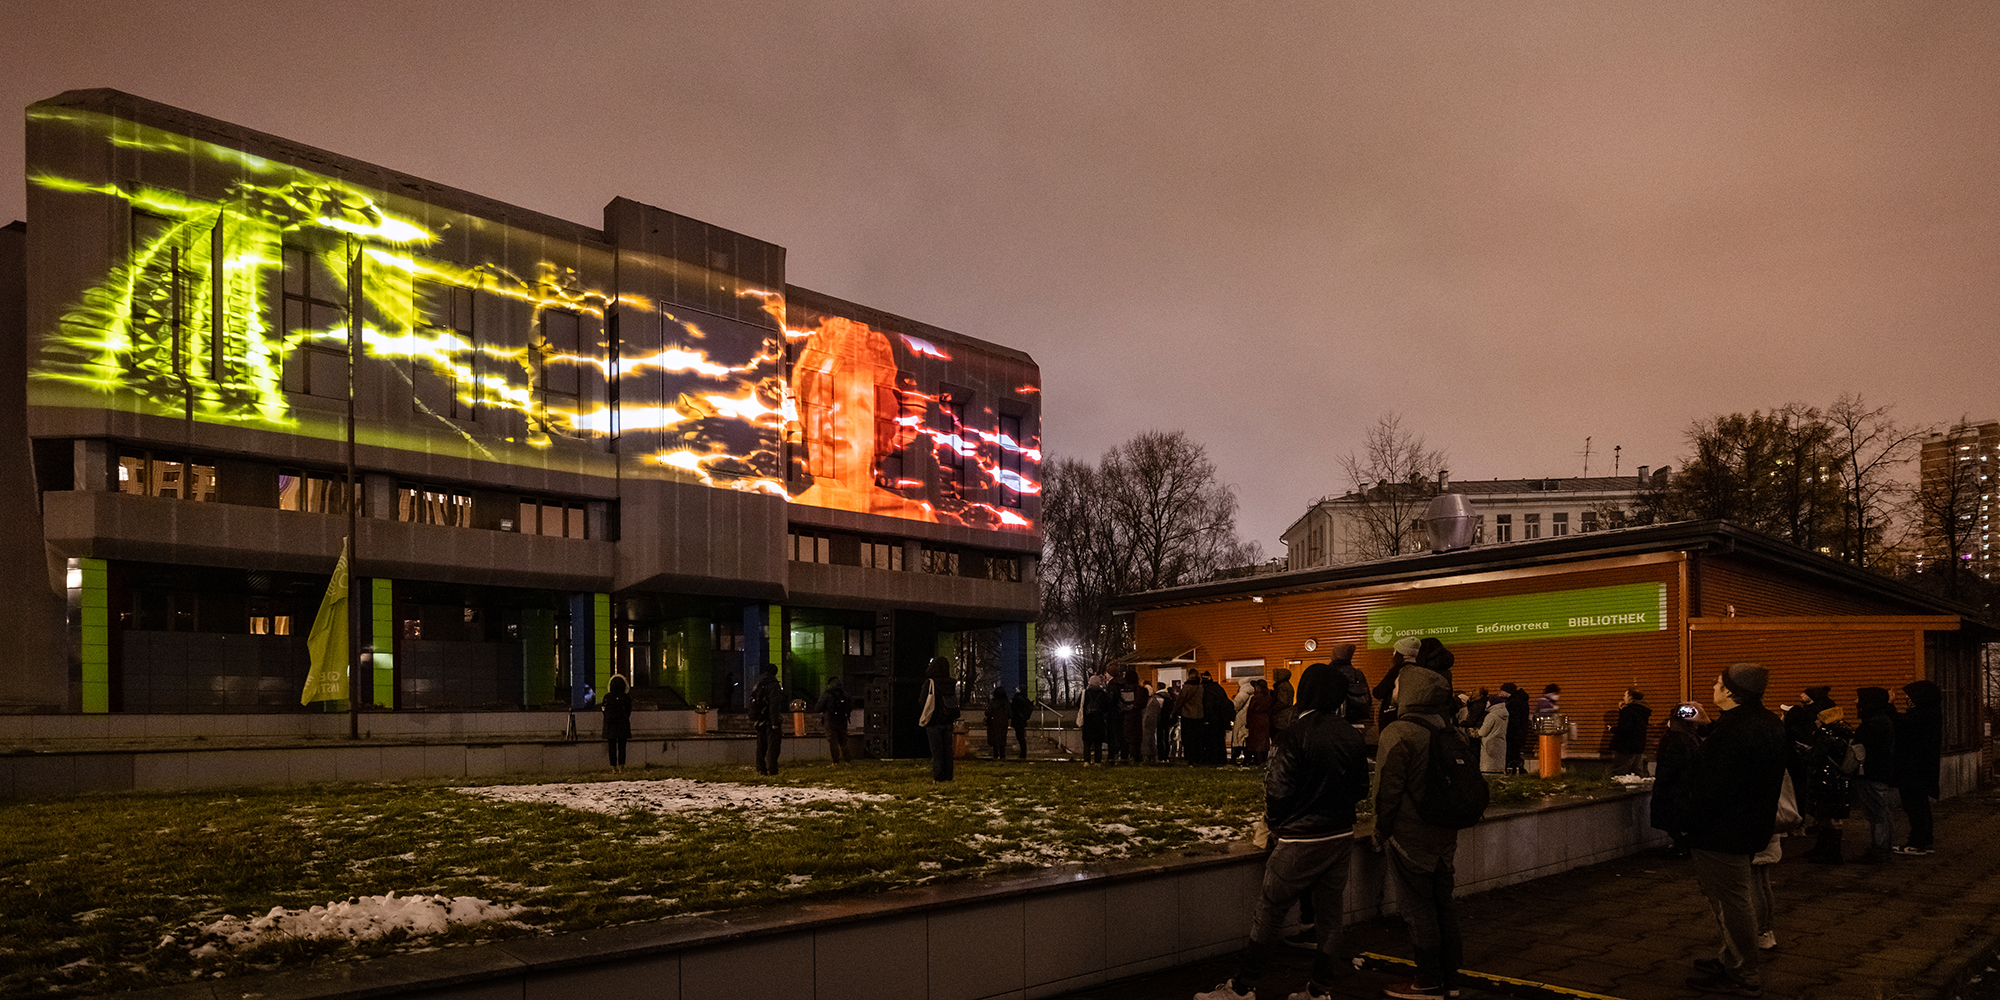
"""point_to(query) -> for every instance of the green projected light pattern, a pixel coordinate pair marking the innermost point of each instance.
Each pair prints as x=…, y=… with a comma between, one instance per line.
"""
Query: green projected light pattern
x=189, y=321
x=1562, y=614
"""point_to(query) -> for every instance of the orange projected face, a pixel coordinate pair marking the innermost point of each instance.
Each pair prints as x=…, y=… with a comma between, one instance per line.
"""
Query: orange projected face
x=865, y=437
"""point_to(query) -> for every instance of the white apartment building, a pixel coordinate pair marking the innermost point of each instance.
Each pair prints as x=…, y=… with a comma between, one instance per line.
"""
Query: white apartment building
x=1331, y=533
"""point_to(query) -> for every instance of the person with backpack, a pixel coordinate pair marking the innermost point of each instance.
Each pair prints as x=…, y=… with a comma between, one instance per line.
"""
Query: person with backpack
x=1829, y=757
x=1732, y=797
x=833, y=710
x=939, y=712
x=1875, y=786
x=1018, y=712
x=1317, y=773
x=1414, y=826
x=767, y=718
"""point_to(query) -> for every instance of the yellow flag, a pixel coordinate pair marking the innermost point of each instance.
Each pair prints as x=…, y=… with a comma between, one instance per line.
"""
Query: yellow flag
x=327, y=642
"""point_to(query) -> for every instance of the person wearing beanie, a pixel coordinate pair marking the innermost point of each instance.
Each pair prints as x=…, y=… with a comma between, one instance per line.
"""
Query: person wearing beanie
x=1402, y=654
x=1354, y=707
x=1317, y=773
x=1874, y=787
x=1919, y=753
x=1732, y=808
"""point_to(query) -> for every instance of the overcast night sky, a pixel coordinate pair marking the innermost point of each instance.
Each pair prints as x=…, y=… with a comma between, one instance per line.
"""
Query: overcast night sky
x=1516, y=224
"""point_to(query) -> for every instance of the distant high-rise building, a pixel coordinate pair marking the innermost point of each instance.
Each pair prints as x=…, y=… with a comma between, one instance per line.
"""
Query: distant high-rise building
x=1955, y=487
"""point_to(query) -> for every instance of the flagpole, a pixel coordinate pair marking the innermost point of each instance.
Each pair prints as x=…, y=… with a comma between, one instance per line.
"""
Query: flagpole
x=354, y=498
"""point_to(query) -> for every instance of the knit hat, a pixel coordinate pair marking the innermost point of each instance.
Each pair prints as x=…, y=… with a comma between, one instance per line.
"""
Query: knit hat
x=1408, y=646
x=1746, y=682
x=1343, y=653
x=1821, y=692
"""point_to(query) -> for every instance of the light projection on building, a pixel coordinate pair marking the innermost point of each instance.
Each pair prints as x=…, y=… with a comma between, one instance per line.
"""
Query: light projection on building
x=239, y=285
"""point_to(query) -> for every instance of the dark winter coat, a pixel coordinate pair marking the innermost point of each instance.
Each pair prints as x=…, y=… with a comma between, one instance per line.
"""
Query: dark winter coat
x=1877, y=733
x=617, y=707
x=1262, y=705
x=1920, y=740
x=997, y=717
x=1215, y=704
x=1733, y=789
x=768, y=704
x=1671, y=773
x=1628, y=735
x=1319, y=766
x=1021, y=708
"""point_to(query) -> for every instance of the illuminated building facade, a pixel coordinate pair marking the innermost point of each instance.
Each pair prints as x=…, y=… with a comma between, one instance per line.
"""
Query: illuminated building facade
x=577, y=451
x=1331, y=532
x=1955, y=480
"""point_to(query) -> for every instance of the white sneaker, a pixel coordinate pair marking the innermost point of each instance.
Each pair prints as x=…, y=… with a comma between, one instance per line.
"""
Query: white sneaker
x=1226, y=990
x=1767, y=941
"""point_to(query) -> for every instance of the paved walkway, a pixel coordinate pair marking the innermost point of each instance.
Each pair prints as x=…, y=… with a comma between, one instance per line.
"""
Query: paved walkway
x=1914, y=928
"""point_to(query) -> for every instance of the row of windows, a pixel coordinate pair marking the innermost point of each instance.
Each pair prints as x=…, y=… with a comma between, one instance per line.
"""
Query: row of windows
x=177, y=477
x=871, y=553
x=1531, y=525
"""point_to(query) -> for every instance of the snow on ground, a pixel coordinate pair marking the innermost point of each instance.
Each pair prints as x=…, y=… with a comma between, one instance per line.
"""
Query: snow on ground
x=666, y=795
x=356, y=920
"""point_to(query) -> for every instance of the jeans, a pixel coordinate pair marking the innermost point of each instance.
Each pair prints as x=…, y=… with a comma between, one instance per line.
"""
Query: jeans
x=1874, y=798
x=768, y=741
x=1424, y=898
x=1729, y=884
x=940, y=742
x=1298, y=872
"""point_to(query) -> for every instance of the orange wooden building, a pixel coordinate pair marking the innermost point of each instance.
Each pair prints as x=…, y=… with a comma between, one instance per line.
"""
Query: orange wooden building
x=1661, y=608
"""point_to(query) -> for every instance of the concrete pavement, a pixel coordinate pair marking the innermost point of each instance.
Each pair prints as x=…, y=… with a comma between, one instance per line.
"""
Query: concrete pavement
x=1915, y=928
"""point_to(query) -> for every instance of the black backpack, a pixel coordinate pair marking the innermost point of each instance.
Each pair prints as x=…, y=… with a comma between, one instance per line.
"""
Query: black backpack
x=836, y=703
x=1455, y=793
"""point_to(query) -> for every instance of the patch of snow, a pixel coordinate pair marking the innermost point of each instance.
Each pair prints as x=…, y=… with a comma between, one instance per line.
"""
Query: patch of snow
x=930, y=866
x=357, y=919
x=666, y=795
x=1117, y=828
x=1214, y=833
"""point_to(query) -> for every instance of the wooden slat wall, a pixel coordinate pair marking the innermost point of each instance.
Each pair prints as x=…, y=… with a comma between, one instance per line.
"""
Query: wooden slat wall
x=1593, y=673
x=1761, y=593
x=1845, y=660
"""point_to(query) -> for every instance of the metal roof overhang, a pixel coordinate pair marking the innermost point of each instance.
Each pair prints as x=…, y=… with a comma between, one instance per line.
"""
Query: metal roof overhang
x=1176, y=654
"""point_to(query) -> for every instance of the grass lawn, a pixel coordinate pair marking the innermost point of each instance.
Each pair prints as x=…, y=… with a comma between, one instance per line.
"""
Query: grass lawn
x=111, y=892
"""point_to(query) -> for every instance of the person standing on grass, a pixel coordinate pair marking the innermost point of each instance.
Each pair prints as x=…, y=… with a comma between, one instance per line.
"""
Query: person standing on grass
x=1317, y=772
x=997, y=714
x=1628, y=734
x=1420, y=854
x=1131, y=715
x=1019, y=710
x=939, y=712
x=1258, y=714
x=617, y=710
x=1193, y=738
x=767, y=718
x=1732, y=797
x=1093, y=715
x=832, y=709
x=1919, y=754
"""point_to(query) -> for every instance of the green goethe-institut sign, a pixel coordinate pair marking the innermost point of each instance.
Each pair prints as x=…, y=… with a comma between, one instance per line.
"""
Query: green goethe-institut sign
x=1562, y=614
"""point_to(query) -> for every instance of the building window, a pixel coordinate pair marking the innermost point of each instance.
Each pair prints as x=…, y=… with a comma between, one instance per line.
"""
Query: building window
x=860, y=642
x=957, y=442
x=315, y=323
x=425, y=505
x=815, y=397
x=882, y=555
x=1531, y=526
x=1589, y=520
x=159, y=296
x=445, y=378
x=1558, y=524
x=559, y=364
x=554, y=518
x=1503, y=527
x=1617, y=519
x=1011, y=483
x=802, y=547
x=942, y=562
x=173, y=477
x=728, y=636
x=313, y=492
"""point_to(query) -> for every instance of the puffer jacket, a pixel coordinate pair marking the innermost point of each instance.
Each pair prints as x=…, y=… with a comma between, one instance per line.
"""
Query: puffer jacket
x=1732, y=792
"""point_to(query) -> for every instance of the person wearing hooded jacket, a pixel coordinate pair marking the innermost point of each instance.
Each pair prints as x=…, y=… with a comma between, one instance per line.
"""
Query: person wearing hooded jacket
x=1875, y=787
x=1919, y=753
x=1317, y=772
x=1420, y=854
x=1732, y=810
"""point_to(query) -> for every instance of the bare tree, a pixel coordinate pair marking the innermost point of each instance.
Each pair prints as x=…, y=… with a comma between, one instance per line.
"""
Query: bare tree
x=1151, y=514
x=1771, y=472
x=1871, y=448
x=1393, y=476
